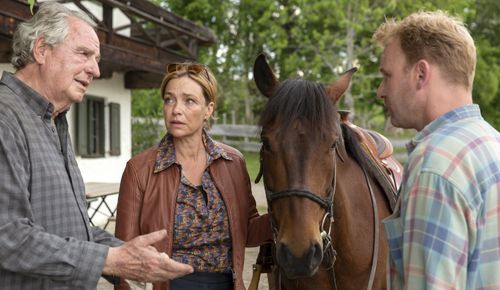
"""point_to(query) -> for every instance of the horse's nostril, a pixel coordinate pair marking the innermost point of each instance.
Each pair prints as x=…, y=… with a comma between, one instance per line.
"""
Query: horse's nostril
x=316, y=253
x=284, y=255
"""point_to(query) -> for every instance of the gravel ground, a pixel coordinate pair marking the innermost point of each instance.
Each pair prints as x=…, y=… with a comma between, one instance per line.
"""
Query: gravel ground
x=250, y=254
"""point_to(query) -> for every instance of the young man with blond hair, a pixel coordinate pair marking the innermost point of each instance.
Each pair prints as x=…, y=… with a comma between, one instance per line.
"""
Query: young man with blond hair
x=445, y=231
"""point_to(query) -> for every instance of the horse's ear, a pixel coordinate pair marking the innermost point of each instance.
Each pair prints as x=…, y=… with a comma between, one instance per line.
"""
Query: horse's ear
x=264, y=77
x=337, y=89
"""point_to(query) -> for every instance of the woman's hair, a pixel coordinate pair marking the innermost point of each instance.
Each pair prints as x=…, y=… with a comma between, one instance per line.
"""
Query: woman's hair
x=50, y=23
x=436, y=37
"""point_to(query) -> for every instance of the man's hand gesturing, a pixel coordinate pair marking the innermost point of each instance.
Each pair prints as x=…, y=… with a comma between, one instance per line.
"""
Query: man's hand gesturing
x=138, y=260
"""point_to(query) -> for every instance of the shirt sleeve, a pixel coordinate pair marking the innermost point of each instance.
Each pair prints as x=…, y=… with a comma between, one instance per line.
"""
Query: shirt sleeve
x=438, y=225
x=27, y=248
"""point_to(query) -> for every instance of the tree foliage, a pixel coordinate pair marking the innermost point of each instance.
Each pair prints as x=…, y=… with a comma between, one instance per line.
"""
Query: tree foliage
x=320, y=39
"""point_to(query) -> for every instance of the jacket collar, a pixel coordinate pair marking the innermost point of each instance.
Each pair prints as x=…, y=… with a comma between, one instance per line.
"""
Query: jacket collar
x=165, y=155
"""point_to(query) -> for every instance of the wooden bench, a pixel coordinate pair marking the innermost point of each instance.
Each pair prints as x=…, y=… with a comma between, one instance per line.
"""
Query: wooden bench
x=99, y=192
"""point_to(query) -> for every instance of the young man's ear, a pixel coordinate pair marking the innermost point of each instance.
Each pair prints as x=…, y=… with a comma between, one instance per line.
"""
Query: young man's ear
x=40, y=50
x=422, y=68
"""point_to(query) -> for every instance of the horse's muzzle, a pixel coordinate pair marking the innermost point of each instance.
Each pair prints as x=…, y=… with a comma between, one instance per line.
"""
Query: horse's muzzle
x=299, y=267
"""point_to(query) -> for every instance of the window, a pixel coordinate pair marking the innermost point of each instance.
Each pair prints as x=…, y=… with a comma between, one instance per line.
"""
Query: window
x=90, y=127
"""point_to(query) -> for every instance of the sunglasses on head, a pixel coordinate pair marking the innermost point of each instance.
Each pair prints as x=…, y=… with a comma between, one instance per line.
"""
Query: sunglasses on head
x=191, y=68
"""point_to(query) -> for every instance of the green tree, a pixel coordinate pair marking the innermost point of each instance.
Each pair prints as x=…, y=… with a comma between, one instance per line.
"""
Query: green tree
x=320, y=39
x=147, y=108
x=484, y=23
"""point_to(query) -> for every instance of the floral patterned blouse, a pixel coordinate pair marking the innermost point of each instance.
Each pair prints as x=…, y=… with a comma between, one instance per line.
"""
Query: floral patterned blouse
x=202, y=236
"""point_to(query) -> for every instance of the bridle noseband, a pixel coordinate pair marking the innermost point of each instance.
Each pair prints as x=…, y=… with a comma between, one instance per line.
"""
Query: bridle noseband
x=325, y=203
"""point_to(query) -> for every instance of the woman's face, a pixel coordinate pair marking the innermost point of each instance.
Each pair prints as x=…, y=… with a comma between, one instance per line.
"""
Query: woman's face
x=185, y=108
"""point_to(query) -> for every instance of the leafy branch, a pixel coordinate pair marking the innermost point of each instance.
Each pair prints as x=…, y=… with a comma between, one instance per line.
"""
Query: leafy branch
x=32, y=4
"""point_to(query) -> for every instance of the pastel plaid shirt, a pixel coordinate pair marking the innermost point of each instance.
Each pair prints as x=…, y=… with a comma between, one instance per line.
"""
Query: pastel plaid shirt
x=446, y=232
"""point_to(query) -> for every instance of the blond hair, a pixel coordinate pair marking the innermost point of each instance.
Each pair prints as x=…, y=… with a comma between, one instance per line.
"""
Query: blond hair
x=436, y=37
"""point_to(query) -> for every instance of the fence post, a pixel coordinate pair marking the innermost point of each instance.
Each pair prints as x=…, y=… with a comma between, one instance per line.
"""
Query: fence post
x=233, y=117
x=224, y=122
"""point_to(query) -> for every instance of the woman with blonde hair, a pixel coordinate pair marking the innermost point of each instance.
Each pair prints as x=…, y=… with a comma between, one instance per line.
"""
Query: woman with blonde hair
x=194, y=187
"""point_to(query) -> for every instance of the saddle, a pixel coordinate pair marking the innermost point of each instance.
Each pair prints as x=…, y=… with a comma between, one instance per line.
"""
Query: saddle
x=380, y=151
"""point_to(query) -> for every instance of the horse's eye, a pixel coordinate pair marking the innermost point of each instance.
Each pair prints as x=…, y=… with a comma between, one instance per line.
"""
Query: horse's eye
x=265, y=144
x=334, y=145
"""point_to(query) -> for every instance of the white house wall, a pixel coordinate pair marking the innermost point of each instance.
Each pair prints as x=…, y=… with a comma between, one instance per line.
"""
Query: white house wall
x=6, y=67
x=109, y=168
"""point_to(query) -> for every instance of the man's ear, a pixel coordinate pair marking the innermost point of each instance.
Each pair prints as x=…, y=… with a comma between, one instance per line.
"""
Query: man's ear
x=423, y=73
x=40, y=50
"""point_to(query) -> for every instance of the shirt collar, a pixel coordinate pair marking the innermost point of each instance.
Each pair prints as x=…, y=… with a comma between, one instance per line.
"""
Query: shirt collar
x=460, y=113
x=38, y=104
x=165, y=155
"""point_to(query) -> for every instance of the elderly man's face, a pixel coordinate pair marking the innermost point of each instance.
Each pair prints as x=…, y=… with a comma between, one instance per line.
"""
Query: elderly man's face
x=70, y=66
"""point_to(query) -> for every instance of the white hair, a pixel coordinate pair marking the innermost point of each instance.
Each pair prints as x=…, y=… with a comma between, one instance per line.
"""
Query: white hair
x=51, y=23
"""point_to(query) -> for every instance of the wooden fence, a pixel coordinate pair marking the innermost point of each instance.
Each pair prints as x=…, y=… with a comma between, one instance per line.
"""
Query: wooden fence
x=246, y=138
x=243, y=137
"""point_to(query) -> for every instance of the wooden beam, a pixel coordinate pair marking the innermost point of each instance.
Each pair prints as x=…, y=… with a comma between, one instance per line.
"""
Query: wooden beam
x=107, y=16
x=152, y=12
x=142, y=80
x=106, y=70
x=5, y=49
x=142, y=61
x=16, y=9
x=131, y=55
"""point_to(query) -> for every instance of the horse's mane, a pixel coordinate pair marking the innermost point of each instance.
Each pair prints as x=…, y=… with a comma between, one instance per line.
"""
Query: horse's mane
x=299, y=99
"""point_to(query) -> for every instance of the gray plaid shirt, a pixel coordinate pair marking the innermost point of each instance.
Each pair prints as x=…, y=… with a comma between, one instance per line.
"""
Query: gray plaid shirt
x=46, y=241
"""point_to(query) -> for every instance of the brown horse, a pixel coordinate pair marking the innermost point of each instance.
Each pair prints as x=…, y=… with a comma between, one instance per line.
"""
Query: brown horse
x=324, y=197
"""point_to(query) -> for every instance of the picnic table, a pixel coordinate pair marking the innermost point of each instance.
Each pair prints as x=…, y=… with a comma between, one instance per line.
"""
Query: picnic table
x=98, y=193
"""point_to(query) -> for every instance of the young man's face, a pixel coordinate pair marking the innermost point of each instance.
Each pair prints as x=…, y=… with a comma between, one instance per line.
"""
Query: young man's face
x=396, y=88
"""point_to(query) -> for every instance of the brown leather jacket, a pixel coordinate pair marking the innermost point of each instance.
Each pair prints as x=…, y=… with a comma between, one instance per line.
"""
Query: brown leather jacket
x=147, y=200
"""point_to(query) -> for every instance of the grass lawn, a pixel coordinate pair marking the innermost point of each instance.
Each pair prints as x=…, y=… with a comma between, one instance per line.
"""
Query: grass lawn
x=253, y=164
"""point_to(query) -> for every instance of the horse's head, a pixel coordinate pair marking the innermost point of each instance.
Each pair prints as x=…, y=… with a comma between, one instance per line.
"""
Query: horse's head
x=300, y=134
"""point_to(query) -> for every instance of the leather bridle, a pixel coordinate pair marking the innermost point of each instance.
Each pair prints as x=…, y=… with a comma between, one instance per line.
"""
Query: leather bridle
x=327, y=204
x=324, y=203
